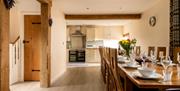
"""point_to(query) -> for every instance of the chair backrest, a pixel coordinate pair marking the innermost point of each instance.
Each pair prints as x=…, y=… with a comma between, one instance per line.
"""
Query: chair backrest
x=176, y=52
x=101, y=51
x=151, y=48
x=107, y=53
x=138, y=50
x=161, y=51
x=114, y=70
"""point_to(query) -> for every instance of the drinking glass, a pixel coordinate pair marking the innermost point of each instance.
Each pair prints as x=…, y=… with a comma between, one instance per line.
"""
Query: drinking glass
x=144, y=57
x=166, y=63
x=153, y=60
x=167, y=74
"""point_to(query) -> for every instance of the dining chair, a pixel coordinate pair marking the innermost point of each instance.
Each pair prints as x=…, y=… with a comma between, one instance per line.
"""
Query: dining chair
x=114, y=74
x=106, y=57
x=102, y=63
x=173, y=89
x=161, y=51
x=176, y=52
x=137, y=50
x=151, y=48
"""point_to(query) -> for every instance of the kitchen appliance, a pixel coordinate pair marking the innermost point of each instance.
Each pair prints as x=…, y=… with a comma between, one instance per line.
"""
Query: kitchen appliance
x=77, y=56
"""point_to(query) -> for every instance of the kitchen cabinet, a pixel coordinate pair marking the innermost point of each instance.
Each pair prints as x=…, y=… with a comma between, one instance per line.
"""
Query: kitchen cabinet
x=90, y=33
x=99, y=33
x=92, y=55
x=108, y=32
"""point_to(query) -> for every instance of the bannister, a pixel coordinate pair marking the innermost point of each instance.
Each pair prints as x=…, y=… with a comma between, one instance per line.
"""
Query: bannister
x=15, y=40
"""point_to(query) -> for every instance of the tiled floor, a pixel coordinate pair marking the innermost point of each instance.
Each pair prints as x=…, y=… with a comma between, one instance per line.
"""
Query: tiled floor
x=75, y=79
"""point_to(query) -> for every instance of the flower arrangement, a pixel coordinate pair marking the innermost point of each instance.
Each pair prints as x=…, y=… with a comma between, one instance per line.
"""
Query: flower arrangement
x=128, y=45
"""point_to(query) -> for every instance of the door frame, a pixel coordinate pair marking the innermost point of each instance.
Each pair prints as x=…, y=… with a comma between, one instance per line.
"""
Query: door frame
x=4, y=44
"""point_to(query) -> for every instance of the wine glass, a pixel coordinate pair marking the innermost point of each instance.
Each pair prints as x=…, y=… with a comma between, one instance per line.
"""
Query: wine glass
x=153, y=60
x=144, y=57
x=166, y=63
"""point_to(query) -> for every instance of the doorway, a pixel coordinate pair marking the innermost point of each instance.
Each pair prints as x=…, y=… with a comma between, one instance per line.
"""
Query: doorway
x=32, y=27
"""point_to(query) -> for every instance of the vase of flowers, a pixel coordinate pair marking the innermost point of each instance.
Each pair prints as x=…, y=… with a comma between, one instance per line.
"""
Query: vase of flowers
x=128, y=45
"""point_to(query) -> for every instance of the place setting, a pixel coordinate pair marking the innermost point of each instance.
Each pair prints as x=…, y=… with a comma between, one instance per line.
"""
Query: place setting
x=122, y=59
x=131, y=63
x=146, y=73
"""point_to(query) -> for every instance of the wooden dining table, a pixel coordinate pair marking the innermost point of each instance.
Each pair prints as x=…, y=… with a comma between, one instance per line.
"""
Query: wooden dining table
x=131, y=82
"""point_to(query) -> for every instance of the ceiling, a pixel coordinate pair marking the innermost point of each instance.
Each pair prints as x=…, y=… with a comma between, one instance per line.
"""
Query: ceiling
x=105, y=6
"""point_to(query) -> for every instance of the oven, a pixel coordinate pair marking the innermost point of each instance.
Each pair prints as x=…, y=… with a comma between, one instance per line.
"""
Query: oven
x=77, y=56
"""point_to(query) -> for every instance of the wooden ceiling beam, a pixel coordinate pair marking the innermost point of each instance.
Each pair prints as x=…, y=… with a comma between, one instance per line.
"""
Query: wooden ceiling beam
x=46, y=1
x=99, y=17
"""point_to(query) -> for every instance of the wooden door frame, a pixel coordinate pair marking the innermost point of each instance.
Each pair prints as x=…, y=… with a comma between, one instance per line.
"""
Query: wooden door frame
x=4, y=45
x=45, y=60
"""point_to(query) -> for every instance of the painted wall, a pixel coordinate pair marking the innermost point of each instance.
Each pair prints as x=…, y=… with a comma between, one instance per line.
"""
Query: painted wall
x=151, y=36
x=32, y=7
x=14, y=26
x=58, y=56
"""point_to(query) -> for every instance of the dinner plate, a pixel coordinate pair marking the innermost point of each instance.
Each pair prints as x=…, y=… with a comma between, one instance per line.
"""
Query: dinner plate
x=155, y=76
x=123, y=61
x=133, y=66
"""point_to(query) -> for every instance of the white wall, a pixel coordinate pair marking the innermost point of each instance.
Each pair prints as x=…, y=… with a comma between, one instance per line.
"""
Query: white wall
x=58, y=65
x=32, y=7
x=14, y=24
x=151, y=36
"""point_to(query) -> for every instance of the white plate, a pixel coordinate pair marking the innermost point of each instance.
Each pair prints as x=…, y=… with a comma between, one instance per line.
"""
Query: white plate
x=133, y=66
x=155, y=76
x=123, y=61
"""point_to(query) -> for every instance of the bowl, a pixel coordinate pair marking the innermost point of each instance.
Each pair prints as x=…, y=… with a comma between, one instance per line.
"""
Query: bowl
x=146, y=72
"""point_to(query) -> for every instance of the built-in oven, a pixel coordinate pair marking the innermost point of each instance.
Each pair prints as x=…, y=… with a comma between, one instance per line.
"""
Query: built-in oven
x=77, y=56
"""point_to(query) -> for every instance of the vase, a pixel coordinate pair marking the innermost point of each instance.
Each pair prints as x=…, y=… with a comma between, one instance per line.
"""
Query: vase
x=128, y=53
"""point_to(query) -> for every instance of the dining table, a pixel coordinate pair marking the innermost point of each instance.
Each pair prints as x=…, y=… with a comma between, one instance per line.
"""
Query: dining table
x=133, y=83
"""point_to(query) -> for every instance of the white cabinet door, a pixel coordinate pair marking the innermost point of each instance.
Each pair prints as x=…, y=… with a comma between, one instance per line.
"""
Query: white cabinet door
x=92, y=55
x=90, y=33
x=107, y=33
x=99, y=33
x=113, y=33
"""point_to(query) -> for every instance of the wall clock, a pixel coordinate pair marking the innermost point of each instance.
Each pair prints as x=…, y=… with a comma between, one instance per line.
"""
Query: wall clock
x=152, y=21
x=9, y=3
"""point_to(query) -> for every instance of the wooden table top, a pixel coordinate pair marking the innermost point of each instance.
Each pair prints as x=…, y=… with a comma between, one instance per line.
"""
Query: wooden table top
x=141, y=83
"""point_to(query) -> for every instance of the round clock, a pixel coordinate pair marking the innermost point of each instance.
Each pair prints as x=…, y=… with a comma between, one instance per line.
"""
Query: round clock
x=152, y=21
x=9, y=3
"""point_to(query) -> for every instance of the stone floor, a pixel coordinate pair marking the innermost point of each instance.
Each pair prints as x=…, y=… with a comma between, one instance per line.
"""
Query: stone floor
x=74, y=79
